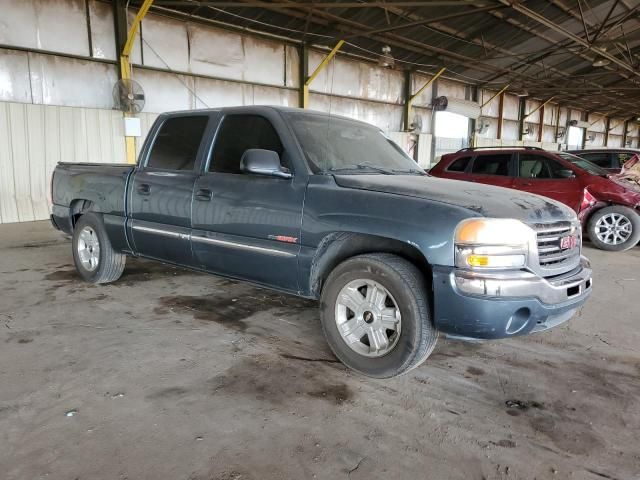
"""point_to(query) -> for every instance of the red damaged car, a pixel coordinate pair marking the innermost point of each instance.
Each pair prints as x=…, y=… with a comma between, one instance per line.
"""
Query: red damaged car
x=607, y=205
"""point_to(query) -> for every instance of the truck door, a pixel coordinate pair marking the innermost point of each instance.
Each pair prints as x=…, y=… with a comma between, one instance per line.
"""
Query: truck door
x=162, y=188
x=245, y=225
x=550, y=178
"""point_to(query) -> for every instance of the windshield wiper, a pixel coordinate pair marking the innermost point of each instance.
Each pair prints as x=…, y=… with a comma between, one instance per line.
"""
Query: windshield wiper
x=362, y=166
x=413, y=171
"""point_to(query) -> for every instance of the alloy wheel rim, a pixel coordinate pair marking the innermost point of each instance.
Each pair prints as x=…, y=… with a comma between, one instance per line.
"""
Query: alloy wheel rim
x=88, y=249
x=368, y=318
x=613, y=228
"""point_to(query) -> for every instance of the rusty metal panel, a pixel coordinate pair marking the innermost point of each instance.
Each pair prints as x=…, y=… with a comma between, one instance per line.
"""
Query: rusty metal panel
x=509, y=131
x=511, y=107
x=102, y=30
x=549, y=134
x=417, y=82
x=274, y=96
x=491, y=109
x=292, y=70
x=550, y=112
x=564, y=116
x=221, y=93
x=14, y=76
x=228, y=55
x=386, y=117
x=71, y=82
x=617, y=126
x=165, y=40
x=598, y=123
x=451, y=89
x=165, y=91
x=615, y=141
x=53, y=25
x=349, y=78
x=263, y=61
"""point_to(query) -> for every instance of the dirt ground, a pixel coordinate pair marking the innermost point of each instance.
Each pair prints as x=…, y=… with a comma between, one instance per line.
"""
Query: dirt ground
x=169, y=374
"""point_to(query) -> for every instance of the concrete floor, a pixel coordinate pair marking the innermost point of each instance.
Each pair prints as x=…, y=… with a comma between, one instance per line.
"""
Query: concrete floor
x=169, y=374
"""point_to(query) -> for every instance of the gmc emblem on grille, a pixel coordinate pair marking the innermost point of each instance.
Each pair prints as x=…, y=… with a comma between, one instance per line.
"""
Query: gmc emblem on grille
x=570, y=241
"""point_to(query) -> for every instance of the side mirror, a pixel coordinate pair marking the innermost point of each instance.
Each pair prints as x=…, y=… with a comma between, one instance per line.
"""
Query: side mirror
x=263, y=162
x=565, y=174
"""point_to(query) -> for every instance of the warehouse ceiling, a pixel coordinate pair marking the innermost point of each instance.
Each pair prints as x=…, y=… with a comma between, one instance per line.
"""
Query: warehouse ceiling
x=583, y=53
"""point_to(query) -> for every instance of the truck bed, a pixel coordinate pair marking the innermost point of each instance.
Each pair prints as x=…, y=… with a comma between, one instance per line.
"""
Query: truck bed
x=103, y=184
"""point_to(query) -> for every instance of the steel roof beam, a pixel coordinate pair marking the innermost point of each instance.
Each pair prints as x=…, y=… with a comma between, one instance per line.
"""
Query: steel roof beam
x=566, y=33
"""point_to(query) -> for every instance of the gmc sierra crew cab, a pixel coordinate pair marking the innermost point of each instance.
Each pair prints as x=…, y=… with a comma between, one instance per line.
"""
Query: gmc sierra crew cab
x=329, y=208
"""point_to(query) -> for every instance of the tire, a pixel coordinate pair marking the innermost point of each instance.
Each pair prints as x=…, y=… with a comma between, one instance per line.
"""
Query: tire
x=403, y=286
x=602, y=228
x=107, y=265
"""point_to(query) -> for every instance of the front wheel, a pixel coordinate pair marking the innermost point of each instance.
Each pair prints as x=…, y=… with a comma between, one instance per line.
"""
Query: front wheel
x=614, y=228
x=375, y=315
x=95, y=259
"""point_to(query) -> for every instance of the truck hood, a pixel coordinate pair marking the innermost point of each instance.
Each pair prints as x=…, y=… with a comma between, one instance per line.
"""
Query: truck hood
x=484, y=200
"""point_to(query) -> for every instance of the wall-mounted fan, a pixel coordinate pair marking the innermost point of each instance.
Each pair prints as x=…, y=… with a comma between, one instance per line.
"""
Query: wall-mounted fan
x=128, y=96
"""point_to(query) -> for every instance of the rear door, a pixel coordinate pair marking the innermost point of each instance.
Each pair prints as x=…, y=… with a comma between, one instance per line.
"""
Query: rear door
x=492, y=169
x=162, y=188
x=246, y=225
x=548, y=177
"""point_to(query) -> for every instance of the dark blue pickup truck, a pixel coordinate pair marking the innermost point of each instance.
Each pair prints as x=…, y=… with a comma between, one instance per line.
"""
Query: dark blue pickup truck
x=329, y=208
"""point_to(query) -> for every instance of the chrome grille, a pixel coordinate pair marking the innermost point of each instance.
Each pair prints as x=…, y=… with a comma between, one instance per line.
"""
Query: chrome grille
x=551, y=258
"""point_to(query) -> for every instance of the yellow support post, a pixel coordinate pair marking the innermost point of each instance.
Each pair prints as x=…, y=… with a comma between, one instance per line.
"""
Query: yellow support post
x=316, y=72
x=411, y=98
x=504, y=89
x=537, y=108
x=125, y=70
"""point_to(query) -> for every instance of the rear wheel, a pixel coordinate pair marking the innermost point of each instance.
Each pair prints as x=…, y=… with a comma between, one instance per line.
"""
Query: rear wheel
x=95, y=259
x=614, y=228
x=375, y=315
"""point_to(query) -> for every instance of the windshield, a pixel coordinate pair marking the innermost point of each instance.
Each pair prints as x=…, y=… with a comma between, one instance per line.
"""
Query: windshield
x=584, y=164
x=333, y=144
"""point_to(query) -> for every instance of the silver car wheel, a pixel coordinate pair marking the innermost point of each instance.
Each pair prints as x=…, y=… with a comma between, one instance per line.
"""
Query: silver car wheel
x=613, y=229
x=368, y=318
x=88, y=249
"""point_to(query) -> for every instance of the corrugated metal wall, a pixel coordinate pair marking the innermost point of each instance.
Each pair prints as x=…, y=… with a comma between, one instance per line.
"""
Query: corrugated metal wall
x=34, y=138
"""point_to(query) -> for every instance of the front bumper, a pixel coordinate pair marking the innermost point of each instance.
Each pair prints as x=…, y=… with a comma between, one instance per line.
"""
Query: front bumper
x=499, y=305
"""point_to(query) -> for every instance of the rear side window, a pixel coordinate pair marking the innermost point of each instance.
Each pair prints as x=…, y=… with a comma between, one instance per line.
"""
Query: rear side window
x=238, y=134
x=177, y=143
x=459, y=165
x=602, y=159
x=492, y=164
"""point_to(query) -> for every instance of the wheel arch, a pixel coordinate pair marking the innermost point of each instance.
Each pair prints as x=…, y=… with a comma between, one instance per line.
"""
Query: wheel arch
x=79, y=207
x=335, y=248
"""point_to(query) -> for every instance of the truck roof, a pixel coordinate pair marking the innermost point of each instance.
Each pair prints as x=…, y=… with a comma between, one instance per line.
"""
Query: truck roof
x=264, y=109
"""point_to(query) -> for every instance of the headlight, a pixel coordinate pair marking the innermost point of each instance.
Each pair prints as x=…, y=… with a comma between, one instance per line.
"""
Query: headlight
x=492, y=243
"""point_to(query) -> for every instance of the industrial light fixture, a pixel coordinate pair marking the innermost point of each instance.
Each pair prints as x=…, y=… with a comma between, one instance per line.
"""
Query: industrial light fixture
x=523, y=93
x=386, y=60
x=601, y=61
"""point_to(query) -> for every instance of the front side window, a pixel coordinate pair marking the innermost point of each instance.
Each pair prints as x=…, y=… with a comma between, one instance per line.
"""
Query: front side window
x=239, y=133
x=492, y=165
x=540, y=167
x=177, y=143
x=533, y=166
